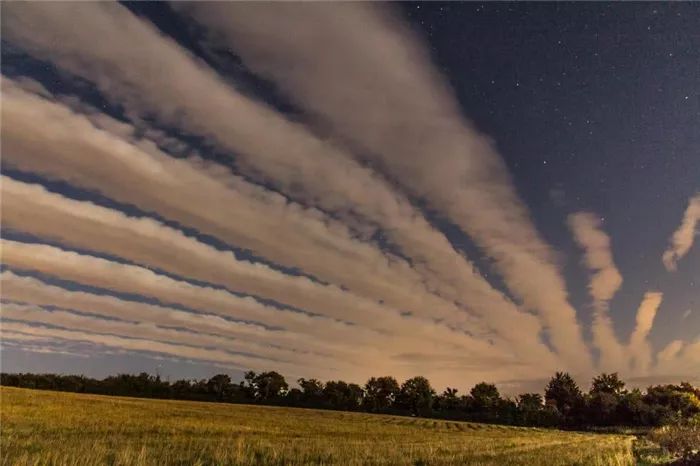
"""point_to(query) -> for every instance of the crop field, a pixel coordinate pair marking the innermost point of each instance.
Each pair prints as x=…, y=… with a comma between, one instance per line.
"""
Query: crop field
x=52, y=428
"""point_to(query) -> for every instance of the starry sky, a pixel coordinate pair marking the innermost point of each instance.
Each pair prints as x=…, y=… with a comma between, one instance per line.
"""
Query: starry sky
x=465, y=191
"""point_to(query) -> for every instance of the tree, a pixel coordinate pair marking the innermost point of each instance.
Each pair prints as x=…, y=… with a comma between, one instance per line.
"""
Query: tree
x=671, y=403
x=530, y=401
x=381, y=393
x=341, y=395
x=530, y=408
x=485, y=396
x=608, y=383
x=416, y=395
x=603, y=402
x=602, y=408
x=266, y=386
x=484, y=402
x=220, y=385
x=563, y=393
x=312, y=391
x=448, y=401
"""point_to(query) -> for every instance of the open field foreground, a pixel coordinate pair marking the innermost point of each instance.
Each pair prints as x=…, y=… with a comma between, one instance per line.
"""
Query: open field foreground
x=53, y=428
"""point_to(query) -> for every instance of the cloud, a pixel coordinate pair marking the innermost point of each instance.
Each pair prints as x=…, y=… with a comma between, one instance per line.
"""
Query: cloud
x=178, y=190
x=605, y=281
x=266, y=353
x=396, y=110
x=72, y=149
x=32, y=291
x=670, y=352
x=144, y=241
x=679, y=357
x=278, y=152
x=370, y=351
x=639, y=347
x=242, y=362
x=682, y=239
x=268, y=147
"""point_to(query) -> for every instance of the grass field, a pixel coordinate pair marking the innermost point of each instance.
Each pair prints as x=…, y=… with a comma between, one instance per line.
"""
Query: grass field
x=50, y=428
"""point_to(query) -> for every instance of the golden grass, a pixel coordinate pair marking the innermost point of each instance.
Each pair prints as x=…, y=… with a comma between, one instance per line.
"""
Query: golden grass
x=51, y=428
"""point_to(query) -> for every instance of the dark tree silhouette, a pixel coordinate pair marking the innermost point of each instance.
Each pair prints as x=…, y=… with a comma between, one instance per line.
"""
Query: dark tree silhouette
x=563, y=393
x=381, y=393
x=607, y=403
x=416, y=396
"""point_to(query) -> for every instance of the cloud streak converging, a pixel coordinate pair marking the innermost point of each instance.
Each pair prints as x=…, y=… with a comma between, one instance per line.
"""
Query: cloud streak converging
x=683, y=238
x=193, y=220
x=276, y=151
x=605, y=281
x=639, y=346
x=395, y=108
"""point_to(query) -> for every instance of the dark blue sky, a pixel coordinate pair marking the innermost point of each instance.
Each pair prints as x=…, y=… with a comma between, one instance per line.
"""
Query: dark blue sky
x=594, y=106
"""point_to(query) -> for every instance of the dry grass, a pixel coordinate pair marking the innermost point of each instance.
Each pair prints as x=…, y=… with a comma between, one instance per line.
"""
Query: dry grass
x=49, y=428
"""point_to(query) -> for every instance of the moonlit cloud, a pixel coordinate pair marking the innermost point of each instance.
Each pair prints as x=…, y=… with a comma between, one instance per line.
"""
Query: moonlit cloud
x=143, y=241
x=396, y=108
x=153, y=203
x=682, y=239
x=274, y=149
x=605, y=281
x=640, y=348
x=197, y=207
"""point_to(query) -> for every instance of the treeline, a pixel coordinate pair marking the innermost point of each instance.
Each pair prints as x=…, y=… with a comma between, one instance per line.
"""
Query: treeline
x=564, y=404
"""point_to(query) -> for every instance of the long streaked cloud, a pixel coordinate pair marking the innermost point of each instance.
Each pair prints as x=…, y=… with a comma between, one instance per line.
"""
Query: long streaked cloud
x=278, y=151
x=124, y=278
x=605, y=281
x=395, y=108
x=32, y=209
x=198, y=207
x=679, y=357
x=33, y=291
x=374, y=351
x=363, y=296
x=243, y=362
x=682, y=239
x=639, y=346
x=72, y=149
x=149, y=331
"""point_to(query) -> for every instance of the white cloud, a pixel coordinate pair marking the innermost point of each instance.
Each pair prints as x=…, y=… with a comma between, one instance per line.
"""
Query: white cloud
x=138, y=344
x=32, y=291
x=682, y=239
x=639, y=346
x=145, y=241
x=268, y=354
x=269, y=146
x=605, y=281
x=370, y=351
x=396, y=109
x=178, y=190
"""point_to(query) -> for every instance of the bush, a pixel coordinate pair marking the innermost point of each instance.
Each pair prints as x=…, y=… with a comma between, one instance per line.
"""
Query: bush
x=682, y=441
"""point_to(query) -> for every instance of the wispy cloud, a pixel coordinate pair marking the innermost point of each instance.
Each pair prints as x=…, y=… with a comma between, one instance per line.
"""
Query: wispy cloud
x=605, y=281
x=367, y=349
x=32, y=291
x=142, y=240
x=187, y=205
x=396, y=108
x=279, y=152
x=682, y=239
x=639, y=346
x=348, y=268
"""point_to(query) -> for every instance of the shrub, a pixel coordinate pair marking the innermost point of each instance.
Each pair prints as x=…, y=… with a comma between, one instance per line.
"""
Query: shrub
x=681, y=440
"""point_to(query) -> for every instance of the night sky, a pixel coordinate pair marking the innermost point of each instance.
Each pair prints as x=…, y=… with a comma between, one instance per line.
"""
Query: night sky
x=465, y=191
